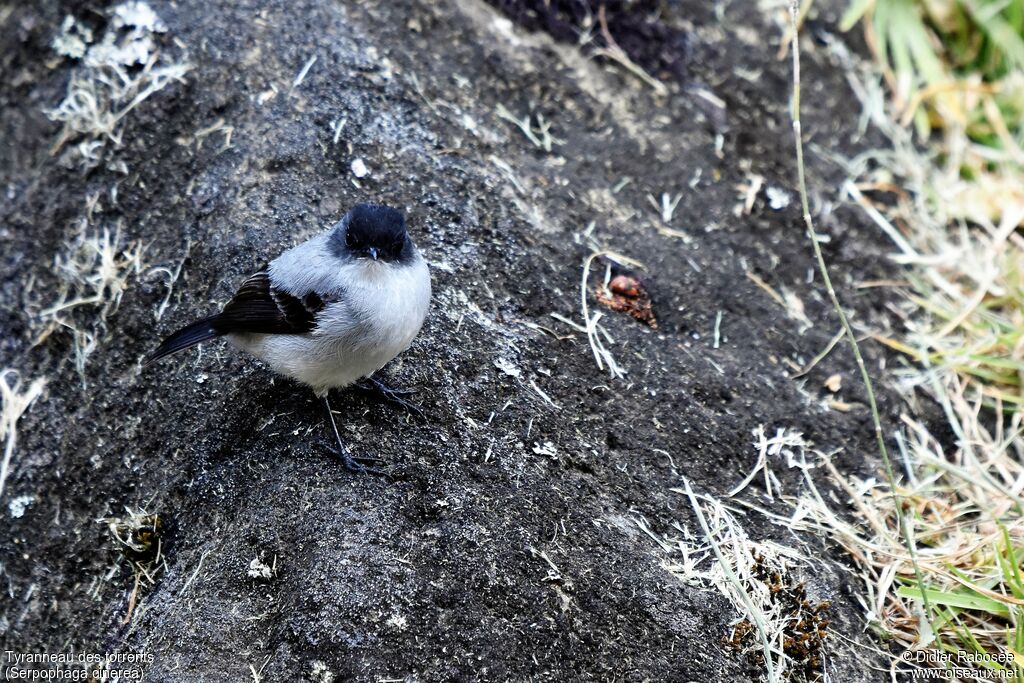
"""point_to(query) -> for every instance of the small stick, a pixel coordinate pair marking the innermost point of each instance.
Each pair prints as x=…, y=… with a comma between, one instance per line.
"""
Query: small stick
x=851, y=337
x=132, y=598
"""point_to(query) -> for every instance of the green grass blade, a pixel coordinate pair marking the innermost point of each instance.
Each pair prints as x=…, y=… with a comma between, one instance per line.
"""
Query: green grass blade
x=961, y=599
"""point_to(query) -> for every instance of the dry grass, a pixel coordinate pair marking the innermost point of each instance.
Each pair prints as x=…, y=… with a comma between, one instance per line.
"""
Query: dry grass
x=93, y=273
x=951, y=206
x=15, y=402
x=776, y=626
x=138, y=539
x=964, y=516
x=616, y=54
x=98, y=99
x=597, y=336
x=733, y=575
x=113, y=77
x=538, y=134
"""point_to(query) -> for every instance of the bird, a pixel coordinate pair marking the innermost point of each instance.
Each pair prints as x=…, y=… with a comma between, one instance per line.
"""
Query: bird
x=329, y=312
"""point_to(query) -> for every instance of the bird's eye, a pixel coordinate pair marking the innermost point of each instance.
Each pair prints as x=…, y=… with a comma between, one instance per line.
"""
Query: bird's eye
x=349, y=240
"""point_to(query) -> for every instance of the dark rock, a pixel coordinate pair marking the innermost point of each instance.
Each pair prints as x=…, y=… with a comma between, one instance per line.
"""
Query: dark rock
x=436, y=574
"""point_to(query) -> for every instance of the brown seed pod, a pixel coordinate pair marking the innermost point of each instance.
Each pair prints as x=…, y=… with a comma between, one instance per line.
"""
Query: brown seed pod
x=626, y=294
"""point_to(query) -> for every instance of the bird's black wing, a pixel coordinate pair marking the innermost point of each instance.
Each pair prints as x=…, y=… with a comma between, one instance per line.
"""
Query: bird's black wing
x=260, y=307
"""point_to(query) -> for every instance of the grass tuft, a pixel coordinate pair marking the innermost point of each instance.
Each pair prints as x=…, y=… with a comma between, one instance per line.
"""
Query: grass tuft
x=951, y=66
x=114, y=76
x=15, y=403
x=93, y=273
x=951, y=201
x=969, y=535
x=779, y=627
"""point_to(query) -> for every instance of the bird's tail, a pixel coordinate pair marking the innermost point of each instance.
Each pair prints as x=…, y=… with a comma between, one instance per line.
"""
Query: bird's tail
x=187, y=336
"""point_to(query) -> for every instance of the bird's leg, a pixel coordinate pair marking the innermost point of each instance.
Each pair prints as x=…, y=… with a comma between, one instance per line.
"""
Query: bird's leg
x=351, y=463
x=390, y=394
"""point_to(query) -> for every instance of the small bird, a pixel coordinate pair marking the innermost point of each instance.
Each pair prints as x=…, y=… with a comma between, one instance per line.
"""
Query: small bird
x=329, y=312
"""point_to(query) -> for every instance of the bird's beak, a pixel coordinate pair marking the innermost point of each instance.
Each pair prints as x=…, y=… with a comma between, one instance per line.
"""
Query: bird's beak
x=373, y=253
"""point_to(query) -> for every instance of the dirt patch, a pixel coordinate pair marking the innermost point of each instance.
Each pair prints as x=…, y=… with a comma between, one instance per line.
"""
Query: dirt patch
x=510, y=544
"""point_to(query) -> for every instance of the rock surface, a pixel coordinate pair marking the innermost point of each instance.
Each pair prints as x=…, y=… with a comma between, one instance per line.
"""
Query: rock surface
x=510, y=543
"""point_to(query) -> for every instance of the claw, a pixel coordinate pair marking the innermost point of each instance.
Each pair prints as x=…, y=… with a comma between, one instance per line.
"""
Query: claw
x=355, y=464
x=409, y=406
x=351, y=463
x=348, y=457
x=392, y=395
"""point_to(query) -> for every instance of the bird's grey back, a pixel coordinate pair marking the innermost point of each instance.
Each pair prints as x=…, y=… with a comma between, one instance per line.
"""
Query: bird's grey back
x=309, y=267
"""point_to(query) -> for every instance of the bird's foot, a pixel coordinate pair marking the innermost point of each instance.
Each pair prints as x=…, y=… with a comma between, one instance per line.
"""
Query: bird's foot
x=354, y=463
x=391, y=395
